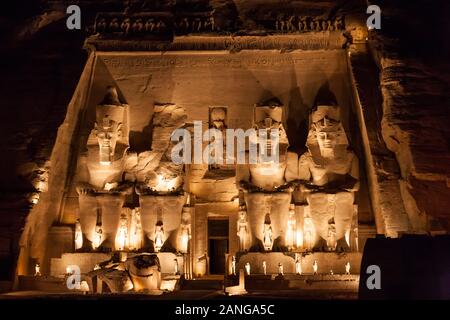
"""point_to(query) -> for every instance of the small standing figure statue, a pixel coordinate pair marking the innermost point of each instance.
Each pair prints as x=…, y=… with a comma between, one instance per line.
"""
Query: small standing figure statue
x=185, y=231
x=347, y=268
x=267, y=234
x=264, y=267
x=78, y=235
x=298, y=266
x=242, y=229
x=98, y=237
x=315, y=267
x=291, y=227
x=37, y=270
x=122, y=234
x=159, y=236
x=280, y=269
x=233, y=265
x=331, y=241
x=247, y=268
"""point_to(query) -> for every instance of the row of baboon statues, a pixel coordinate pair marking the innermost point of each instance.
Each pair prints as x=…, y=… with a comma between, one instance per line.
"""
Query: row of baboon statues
x=295, y=23
x=153, y=25
x=145, y=24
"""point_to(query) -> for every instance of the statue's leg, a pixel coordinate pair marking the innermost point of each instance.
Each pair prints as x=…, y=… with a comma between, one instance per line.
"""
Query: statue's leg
x=279, y=215
x=88, y=218
x=111, y=210
x=343, y=219
x=256, y=211
x=148, y=220
x=321, y=215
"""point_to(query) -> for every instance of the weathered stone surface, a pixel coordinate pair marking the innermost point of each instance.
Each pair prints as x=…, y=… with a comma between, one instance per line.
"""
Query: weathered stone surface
x=415, y=84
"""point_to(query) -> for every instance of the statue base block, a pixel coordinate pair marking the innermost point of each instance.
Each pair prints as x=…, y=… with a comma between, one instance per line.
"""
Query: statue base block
x=326, y=261
x=86, y=262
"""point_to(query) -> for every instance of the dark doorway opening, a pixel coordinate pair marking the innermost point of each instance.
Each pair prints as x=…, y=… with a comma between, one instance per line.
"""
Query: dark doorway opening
x=217, y=245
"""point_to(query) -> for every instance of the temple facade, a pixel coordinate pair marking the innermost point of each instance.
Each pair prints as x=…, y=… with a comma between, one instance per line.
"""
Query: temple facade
x=116, y=193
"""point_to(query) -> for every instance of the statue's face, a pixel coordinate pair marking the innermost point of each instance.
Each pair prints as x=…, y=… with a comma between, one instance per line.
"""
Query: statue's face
x=327, y=130
x=327, y=140
x=268, y=122
x=107, y=133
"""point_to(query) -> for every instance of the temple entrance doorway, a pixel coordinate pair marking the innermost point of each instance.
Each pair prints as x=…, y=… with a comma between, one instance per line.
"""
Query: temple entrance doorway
x=218, y=244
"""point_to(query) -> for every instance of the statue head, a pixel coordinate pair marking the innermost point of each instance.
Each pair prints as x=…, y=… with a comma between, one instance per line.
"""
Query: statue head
x=326, y=131
x=217, y=118
x=268, y=114
x=108, y=131
x=108, y=126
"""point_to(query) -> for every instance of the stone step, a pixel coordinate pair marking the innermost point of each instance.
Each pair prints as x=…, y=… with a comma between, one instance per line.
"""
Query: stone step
x=199, y=284
x=337, y=282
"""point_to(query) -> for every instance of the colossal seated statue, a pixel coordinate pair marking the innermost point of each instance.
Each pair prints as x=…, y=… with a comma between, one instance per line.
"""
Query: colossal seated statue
x=266, y=191
x=329, y=176
x=100, y=183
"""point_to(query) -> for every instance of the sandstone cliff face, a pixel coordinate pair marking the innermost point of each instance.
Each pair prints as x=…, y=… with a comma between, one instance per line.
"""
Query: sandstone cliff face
x=414, y=80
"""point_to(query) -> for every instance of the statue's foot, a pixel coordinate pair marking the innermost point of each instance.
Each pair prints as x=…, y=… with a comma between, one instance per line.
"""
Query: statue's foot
x=342, y=246
x=320, y=246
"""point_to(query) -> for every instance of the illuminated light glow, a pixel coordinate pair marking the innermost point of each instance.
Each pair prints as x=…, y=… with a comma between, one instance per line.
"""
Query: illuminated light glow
x=97, y=238
x=347, y=237
x=41, y=186
x=37, y=270
x=105, y=163
x=69, y=270
x=298, y=267
x=122, y=234
x=308, y=240
x=164, y=184
x=78, y=236
x=128, y=286
x=315, y=267
x=290, y=233
x=247, y=268
x=168, y=285
x=159, y=237
x=34, y=198
x=239, y=289
x=184, y=240
x=84, y=286
x=264, y=267
x=299, y=238
x=136, y=236
x=280, y=269
x=347, y=268
x=233, y=265
x=110, y=186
